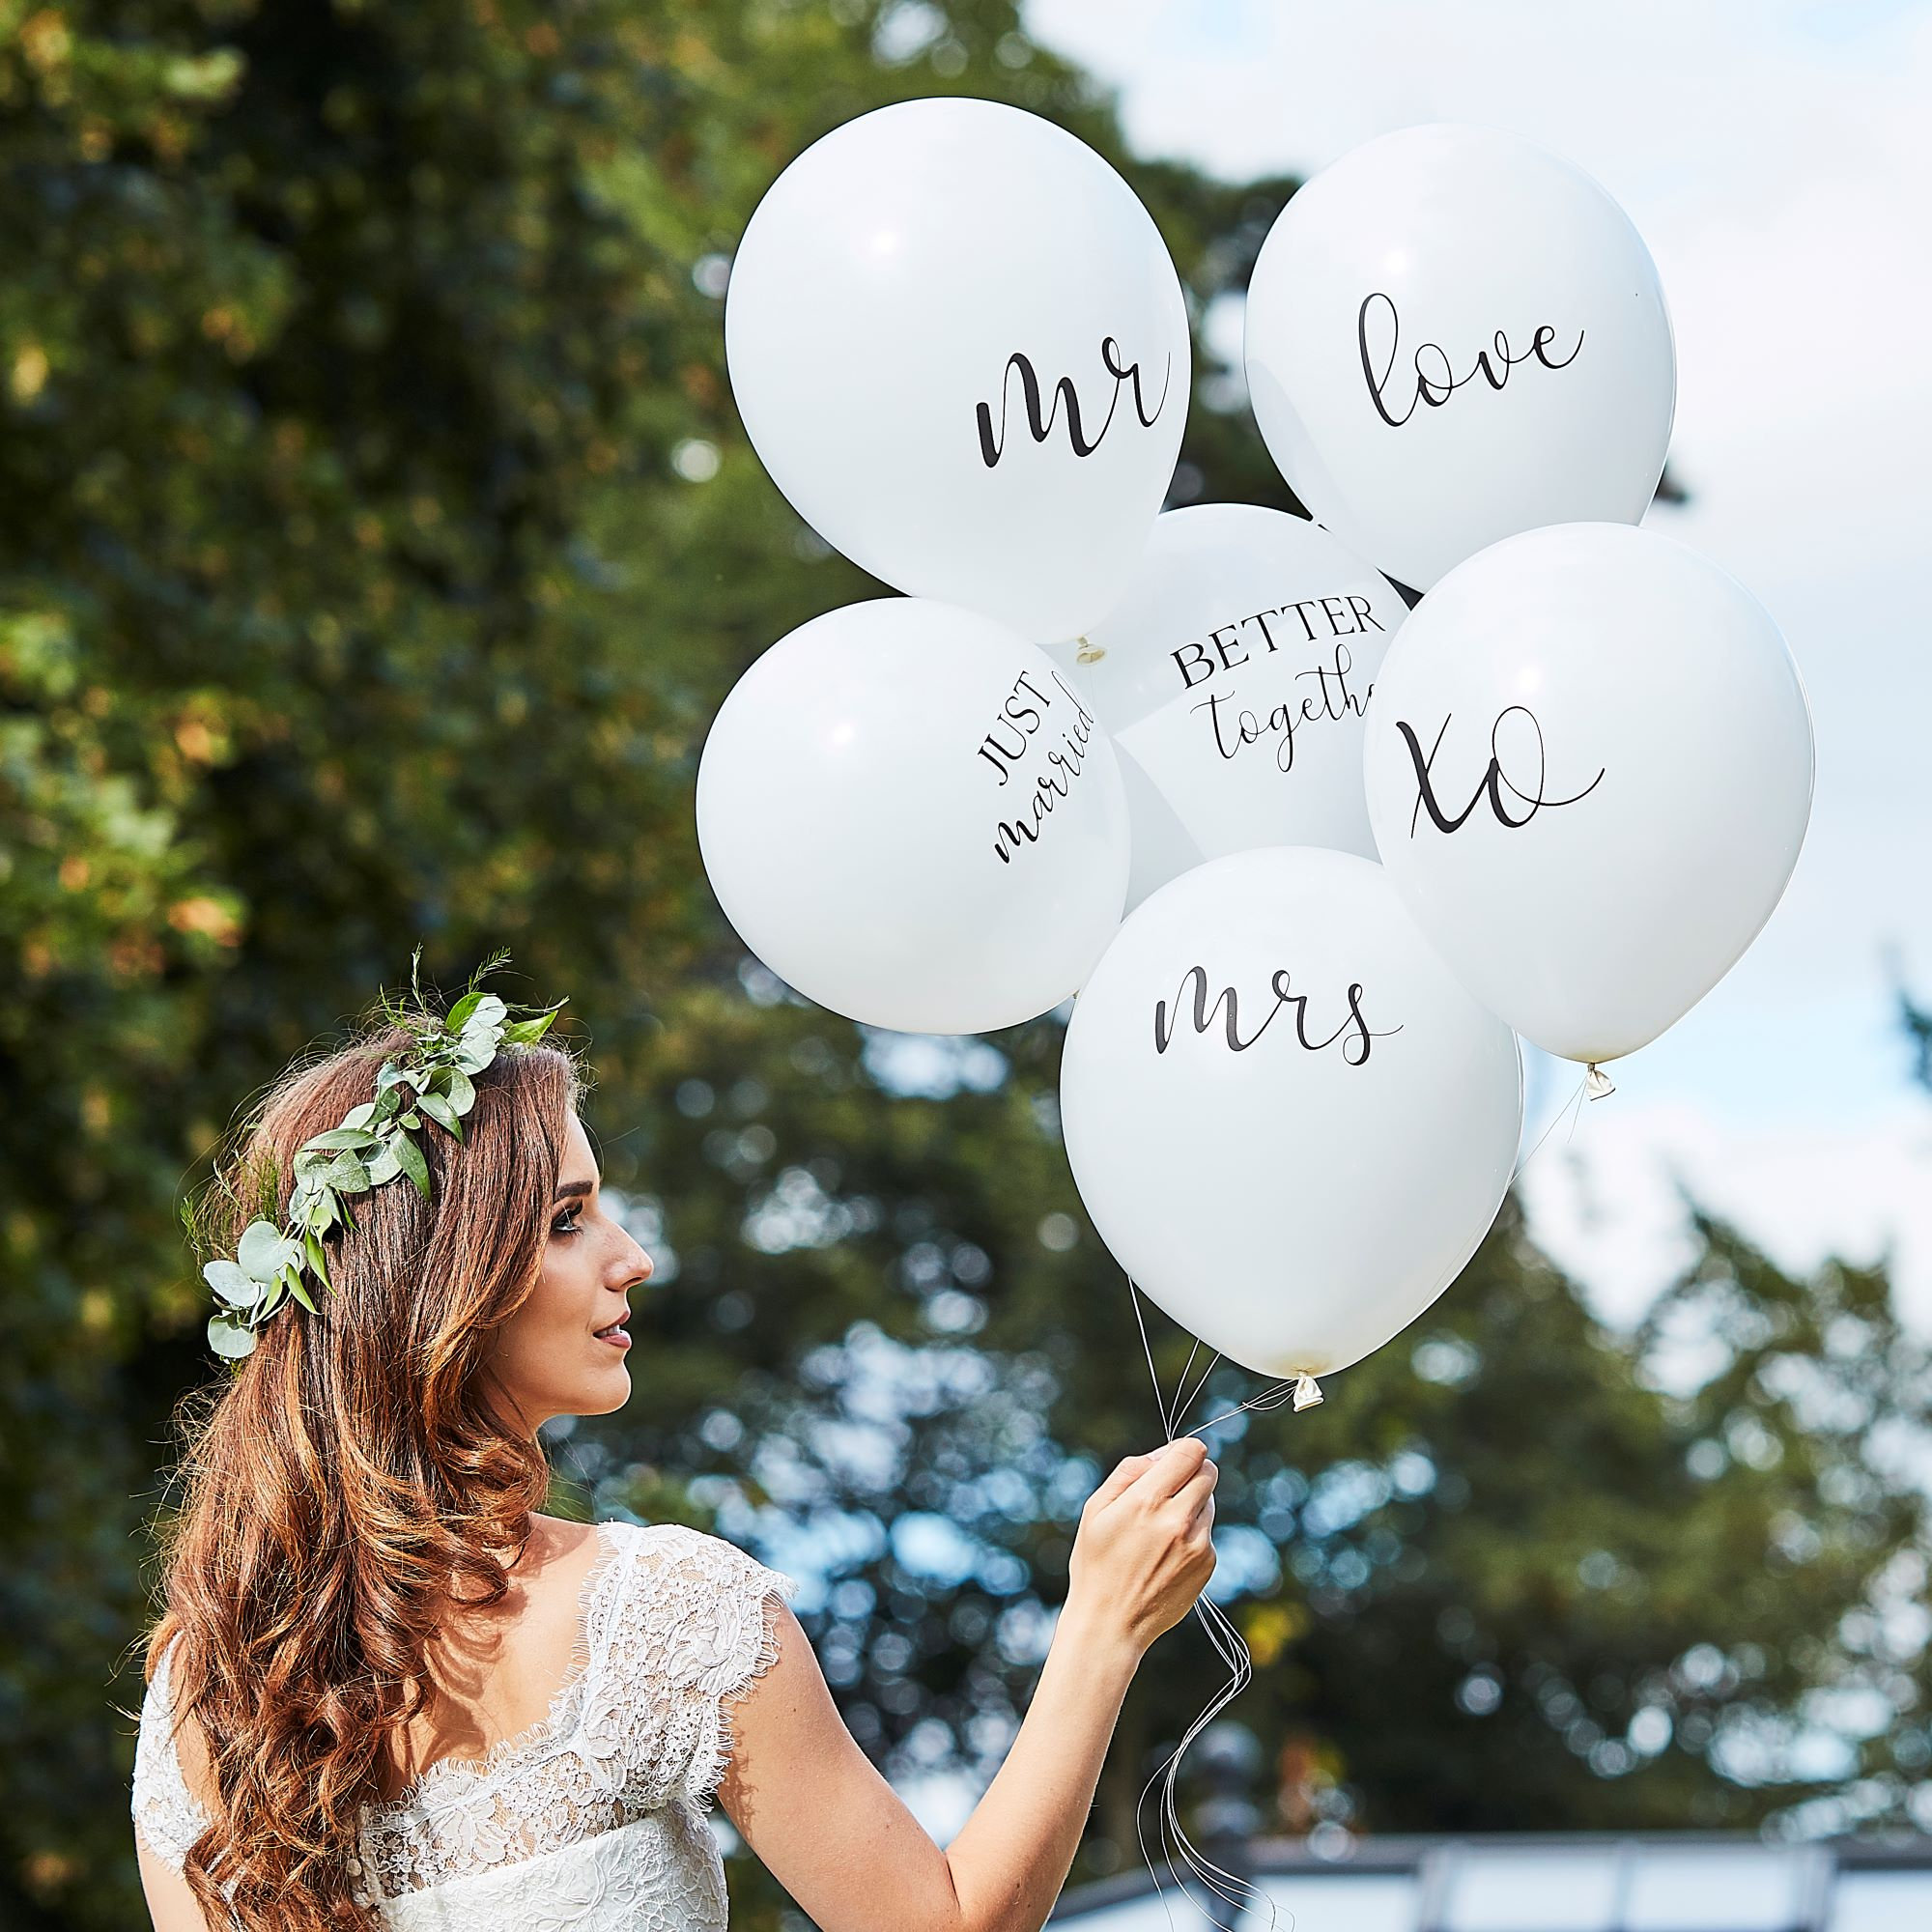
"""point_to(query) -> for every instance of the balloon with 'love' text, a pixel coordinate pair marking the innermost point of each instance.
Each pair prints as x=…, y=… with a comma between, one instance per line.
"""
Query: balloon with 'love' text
x=1589, y=770
x=960, y=349
x=1288, y=1121
x=910, y=816
x=1234, y=675
x=1453, y=335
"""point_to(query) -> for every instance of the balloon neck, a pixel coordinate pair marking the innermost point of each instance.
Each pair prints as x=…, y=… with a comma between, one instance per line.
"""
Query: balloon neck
x=1597, y=1084
x=1307, y=1393
x=1088, y=653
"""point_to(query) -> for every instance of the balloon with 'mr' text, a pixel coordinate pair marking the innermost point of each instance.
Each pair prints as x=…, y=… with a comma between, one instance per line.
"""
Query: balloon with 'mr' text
x=960, y=346
x=1589, y=772
x=910, y=816
x=1288, y=1119
x=1453, y=335
x=1234, y=675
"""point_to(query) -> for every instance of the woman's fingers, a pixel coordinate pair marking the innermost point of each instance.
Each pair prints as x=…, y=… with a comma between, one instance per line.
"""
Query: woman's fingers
x=1199, y=1485
x=1120, y=1477
x=1172, y=1467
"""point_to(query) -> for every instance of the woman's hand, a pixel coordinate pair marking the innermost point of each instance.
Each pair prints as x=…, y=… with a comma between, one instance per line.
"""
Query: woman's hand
x=840, y=1841
x=1144, y=1551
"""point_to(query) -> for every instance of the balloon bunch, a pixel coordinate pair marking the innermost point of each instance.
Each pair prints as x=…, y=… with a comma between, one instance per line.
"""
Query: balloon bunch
x=1358, y=849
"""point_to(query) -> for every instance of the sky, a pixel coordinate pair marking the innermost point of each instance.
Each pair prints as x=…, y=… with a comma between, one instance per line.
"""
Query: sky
x=1777, y=160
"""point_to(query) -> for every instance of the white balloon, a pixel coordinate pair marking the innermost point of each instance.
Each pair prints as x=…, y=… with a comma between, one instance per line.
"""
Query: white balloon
x=1454, y=335
x=1288, y=1120
x=1589, y=770
x=910, y=816
x=1232, y=675
x=960, y=346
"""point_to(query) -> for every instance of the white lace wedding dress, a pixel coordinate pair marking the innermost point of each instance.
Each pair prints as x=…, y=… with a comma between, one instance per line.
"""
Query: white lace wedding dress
x=593, y=1820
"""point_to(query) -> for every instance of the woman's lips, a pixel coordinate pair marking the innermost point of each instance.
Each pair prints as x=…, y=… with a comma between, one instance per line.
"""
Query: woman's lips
x=614, y=1335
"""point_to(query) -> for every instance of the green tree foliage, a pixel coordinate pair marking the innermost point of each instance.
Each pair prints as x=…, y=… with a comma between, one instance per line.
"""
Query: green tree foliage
x=379, y=539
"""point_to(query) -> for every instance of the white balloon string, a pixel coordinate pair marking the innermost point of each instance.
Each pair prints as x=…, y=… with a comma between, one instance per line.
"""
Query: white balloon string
x=1182, y=1402
x=1227, y=1642
x=1573, y=1107
x=1229, y=1646
x=1160, y=1400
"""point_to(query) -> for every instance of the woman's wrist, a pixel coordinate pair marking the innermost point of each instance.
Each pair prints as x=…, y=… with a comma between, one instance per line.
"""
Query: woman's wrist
x=1095, y=1632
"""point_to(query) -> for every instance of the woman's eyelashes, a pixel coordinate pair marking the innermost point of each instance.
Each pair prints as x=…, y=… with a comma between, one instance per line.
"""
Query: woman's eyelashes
x=565, y=1224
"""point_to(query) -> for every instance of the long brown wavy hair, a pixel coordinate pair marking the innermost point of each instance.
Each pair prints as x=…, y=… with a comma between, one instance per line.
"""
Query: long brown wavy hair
x=355, y=1479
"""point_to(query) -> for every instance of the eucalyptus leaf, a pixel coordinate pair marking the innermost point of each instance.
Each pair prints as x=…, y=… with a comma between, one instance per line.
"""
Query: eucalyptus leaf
x=485, y=1017
x=315, y=1254
x=474, y=1055
x=233, y=1283
x=264, y=1250
x=228, y=1338
x=293, y=1282
x=462, y=1094
x=347, y=1137
x=387, y=1163
x=348, y=1175
x=442, y=1113
x=360, y=1117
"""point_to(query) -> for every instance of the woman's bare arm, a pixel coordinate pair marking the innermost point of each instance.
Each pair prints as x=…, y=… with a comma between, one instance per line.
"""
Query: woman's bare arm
x=837, y=1837
x=171, y=1905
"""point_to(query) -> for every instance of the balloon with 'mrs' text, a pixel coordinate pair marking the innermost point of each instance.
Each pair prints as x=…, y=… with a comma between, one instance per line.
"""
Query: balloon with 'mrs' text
x=1589, y=771
x=1289, y=1121
x=1453, y=335
x=911, y=817
x=1234, y=675
x=960, y=346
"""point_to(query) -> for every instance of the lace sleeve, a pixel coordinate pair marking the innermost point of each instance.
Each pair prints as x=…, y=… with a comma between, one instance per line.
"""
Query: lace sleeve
x=166, y=1816
x=704, y=1628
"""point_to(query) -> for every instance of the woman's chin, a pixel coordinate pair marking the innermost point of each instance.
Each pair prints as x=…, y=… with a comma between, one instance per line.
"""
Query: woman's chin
x=611, y=1391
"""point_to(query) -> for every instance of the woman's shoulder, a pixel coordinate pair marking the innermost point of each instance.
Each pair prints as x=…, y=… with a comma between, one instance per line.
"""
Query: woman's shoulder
x=689, y=1599
x=679, y=1554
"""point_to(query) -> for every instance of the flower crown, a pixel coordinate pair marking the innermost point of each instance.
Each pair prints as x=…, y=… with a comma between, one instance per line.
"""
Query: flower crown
x=372, y=1146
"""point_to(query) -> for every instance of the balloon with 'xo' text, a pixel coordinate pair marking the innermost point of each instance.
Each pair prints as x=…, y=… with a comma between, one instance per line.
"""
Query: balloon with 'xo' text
x=960, y=346
x=1233, y=676
x=1589, y=769
x=911, y=817
x=1453, y=335
x=1288, y=1121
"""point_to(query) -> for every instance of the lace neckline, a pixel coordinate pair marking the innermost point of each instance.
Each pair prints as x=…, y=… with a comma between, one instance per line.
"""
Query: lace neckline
x=466, y=1772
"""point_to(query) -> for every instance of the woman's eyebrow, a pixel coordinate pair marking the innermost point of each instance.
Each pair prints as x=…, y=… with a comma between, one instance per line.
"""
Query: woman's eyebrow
x=574, y=1187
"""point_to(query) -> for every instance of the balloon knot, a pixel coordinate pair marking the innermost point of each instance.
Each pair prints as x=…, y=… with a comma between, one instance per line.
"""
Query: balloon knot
x=1307, y=1392
x=1597, y=1084
x=1088, y=653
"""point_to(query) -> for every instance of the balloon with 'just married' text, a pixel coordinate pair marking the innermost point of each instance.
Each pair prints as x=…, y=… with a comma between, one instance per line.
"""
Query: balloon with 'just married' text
x=911, y=816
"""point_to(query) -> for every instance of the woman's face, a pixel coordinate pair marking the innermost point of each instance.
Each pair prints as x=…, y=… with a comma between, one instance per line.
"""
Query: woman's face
x=562, y=1352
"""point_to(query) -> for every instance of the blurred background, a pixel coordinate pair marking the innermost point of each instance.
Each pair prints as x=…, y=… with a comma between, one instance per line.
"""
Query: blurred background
x=378, y=541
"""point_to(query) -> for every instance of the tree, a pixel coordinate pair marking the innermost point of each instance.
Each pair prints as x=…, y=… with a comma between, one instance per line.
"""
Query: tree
x=379, y=541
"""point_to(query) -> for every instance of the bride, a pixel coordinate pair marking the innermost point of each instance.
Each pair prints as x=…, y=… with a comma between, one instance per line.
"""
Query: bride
x=385, y=1690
